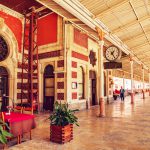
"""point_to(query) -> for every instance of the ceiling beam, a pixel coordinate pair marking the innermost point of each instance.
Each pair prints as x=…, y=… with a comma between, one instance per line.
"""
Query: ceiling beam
x=141, y=51
x=135, y=37
x=139, y=46
x=112, y=8
x=126, y=26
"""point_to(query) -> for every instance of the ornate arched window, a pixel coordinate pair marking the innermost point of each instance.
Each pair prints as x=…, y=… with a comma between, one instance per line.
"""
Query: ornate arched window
x=81, y=82
x=3, y=49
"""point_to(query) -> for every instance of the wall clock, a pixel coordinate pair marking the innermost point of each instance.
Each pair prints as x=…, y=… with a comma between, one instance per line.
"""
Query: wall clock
x=113, y=53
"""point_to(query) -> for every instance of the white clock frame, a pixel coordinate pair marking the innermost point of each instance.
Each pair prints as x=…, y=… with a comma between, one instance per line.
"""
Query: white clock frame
x=112, y=48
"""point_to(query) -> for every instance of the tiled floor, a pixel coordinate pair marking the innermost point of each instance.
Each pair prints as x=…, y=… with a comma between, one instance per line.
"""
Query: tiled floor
x=125, y=127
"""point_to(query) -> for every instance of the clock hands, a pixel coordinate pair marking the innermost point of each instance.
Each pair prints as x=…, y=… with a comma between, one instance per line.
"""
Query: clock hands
x=112, y=53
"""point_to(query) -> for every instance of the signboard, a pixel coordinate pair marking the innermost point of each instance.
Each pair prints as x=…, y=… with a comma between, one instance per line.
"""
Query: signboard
x=112, y=65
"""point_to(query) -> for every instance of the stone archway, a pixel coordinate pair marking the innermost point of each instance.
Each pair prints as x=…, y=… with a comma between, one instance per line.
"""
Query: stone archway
x=11, y=62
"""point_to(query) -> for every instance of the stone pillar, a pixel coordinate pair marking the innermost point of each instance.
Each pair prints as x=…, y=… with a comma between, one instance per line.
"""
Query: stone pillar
x=143, y=82
x=132, y=82
x=149, y=81
x=107, y=85
x=41, y=96
x=101, y=77
x=87, y=88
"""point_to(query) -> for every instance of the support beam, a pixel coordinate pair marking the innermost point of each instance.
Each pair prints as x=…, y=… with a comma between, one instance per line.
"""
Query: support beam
x=132, y=84
x=101, y=77
x=128, y=25
x=101, y=71
x=112, y=8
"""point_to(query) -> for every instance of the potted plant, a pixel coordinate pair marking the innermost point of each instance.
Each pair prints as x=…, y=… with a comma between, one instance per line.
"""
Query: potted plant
x=3, y=133
x=62, y=120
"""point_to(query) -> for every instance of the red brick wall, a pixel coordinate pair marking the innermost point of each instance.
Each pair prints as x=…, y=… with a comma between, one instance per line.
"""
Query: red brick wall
x=15, y=25
x=74, y=74
x=60, y=75
x=74, y=95
x=47, y=29
x=60, y=63
x=60, y=85
x=56, y=53
x=80, y=38
x=74, y=64
x=60, y=96
x=79, y=56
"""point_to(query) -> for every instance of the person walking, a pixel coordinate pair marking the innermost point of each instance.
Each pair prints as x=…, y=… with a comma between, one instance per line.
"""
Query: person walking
x=122, y=91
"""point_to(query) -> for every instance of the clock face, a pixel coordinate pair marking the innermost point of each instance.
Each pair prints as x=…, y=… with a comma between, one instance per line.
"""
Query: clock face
x=3, y=49
x=112, y=53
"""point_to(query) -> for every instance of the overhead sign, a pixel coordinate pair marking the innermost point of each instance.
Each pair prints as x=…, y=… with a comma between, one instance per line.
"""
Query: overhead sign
x=112, y=65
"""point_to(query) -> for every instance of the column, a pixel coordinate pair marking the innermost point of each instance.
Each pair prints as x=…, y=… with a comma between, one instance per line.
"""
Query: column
x=149, y=81
x=101, y=78
x=41, y=90
x=86, y=89
x=107, y=85
x=143, y=82
x=132, y=84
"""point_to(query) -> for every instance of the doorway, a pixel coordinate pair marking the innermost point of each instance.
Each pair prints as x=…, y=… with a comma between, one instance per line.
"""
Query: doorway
x=3, y=89
x=49, y=88
x=93, y=87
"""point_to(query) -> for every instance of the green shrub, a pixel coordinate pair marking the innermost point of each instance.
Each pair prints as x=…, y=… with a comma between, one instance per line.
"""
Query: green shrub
x=62, y=115
x=3, y=133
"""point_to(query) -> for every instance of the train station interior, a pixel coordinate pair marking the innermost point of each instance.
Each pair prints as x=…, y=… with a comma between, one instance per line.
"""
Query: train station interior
x=87, y=60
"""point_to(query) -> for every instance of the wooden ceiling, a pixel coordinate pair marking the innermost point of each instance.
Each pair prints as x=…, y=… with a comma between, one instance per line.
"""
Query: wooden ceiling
x=130, y=21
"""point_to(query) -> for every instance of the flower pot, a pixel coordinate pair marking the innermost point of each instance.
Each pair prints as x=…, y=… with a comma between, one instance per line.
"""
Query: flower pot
x=61, y=134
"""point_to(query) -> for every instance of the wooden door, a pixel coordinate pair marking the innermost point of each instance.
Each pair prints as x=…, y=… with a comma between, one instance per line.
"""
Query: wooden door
x=3, y=89
x=93, y=91
x=49, y=88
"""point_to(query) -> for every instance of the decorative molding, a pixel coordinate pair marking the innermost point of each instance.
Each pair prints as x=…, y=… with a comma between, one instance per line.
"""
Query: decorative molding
x=1, y=22
x=79, y=56
x=56, y=53
x=11, y=12
x=93, y=58
x=60, y=75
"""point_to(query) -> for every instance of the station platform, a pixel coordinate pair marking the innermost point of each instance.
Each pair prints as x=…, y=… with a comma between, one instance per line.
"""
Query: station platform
x=125, y=127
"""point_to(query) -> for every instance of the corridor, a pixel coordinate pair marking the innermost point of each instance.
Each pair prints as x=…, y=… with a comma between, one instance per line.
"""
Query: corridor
x=125, y=127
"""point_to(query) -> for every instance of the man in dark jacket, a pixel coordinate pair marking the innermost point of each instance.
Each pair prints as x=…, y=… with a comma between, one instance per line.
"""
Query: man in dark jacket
x=122, y=91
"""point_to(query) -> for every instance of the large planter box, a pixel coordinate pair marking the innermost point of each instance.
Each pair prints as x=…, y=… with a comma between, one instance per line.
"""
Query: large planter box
x=61, y=134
